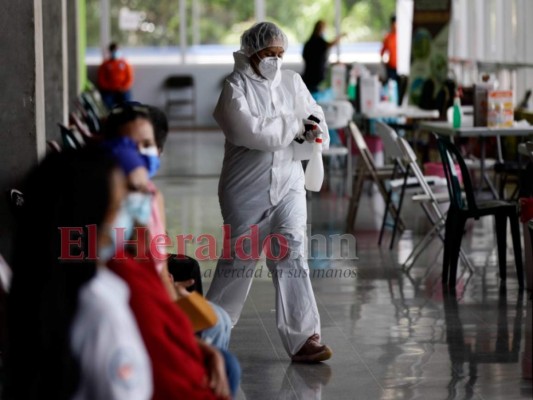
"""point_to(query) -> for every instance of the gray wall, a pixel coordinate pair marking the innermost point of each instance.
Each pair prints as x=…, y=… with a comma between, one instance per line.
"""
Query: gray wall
x=72, y=52
x=21, y=101
x=54, y=73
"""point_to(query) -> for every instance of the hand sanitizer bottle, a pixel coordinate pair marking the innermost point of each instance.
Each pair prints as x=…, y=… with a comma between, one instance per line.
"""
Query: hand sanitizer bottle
x=314, y=173
x=457, y=111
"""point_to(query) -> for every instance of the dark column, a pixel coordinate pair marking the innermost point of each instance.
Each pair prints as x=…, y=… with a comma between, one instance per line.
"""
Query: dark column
x=55, y=68
x=21, y=101
x=72, y=52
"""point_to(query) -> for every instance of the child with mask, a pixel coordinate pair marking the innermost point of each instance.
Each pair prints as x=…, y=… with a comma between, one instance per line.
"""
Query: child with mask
x=129, y=133
x=175, y=354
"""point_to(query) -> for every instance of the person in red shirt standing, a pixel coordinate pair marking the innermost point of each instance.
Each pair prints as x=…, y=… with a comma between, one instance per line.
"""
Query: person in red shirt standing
x=389, y=49
x=115, y=78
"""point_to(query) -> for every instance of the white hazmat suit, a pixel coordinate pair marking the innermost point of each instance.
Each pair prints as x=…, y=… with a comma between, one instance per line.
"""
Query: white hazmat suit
x=262, y=185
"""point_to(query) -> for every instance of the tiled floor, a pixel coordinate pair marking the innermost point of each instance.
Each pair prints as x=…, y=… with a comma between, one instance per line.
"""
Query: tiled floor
x=395, y=335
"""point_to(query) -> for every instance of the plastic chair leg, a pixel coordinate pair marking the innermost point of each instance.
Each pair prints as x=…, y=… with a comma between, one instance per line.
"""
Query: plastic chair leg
x=397, y=219
x=501, y=238
x=448, y=238
x=458, y=230
x=517, y=247
x=359, y=180
x=385, y=214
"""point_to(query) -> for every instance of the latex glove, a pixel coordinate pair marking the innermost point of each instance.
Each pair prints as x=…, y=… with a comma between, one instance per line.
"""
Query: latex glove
x=311, y=130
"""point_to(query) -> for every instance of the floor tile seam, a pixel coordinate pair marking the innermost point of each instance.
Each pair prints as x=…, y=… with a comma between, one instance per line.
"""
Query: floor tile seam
x=272, y=344
x=351, y=345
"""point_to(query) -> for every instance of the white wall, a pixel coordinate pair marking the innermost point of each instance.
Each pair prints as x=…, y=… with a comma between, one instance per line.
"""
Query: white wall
x=497, y=33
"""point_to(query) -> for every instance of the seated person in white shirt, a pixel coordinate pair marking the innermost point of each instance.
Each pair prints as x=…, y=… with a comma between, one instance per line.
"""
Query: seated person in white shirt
x=71, y=331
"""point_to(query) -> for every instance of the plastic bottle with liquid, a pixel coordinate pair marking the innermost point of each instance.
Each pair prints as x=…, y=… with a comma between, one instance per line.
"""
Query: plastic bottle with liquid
x=338, y=81
x=314, y=172
x=352, y=83
x=457, y=111
x=352, y=87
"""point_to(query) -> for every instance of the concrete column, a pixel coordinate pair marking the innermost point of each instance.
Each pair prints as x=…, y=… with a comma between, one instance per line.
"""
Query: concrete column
x=21, y=101
x=55, y=75
x=338, y=30
x=72, y=46
x=105, y=26
x=183, y=29
x=260, y=10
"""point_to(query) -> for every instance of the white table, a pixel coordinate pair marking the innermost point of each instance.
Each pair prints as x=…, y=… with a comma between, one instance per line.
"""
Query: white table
x=386, y=110
x=443, y=128
x=446, y=129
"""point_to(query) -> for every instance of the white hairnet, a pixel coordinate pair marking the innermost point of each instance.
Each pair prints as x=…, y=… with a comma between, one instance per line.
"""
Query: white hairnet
x=262, y=35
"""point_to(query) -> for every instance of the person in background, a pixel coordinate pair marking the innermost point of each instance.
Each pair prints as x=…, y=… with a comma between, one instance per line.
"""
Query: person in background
x=389, y=50
x=72, y=334
x=115, y=78
x=262, y=110
x=438, y=90
x=315, y=55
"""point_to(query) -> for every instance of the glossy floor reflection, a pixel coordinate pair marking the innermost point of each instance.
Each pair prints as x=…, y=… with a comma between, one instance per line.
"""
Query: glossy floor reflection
x=395, y=335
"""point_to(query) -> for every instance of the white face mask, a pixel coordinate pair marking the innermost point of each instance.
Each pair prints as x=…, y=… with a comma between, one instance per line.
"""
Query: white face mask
x=270, y=68
x=122, y=220
x=139, y=207
x=151, y=156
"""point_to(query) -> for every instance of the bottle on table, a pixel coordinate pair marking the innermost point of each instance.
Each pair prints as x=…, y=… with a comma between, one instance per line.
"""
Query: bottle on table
x=457, y=112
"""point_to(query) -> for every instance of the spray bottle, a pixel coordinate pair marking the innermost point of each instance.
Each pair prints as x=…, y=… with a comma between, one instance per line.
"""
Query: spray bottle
x=314, y=173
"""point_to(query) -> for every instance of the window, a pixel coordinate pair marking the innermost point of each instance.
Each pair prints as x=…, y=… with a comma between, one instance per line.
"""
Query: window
x=214, y=26
x=365, y=23
x=221, y=21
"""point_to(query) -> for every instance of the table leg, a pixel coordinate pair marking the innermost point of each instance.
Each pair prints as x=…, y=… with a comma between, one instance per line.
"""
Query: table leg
x=481, y=164
x=349, y=164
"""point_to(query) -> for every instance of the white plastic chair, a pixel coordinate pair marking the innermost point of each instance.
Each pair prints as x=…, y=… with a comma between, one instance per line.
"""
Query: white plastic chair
x=401, y=178
x=430, y=204
x=367, y=170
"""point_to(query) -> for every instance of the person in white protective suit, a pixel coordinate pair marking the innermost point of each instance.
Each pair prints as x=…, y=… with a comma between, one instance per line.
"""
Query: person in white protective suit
x=265, y=115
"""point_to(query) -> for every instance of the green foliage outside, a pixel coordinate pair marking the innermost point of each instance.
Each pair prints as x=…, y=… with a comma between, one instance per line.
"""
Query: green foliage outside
x=223, y=21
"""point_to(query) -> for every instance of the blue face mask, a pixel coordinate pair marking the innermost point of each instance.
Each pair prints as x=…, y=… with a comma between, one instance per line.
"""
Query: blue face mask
x=151, y=158
x=122, y=220
x=139, y=207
